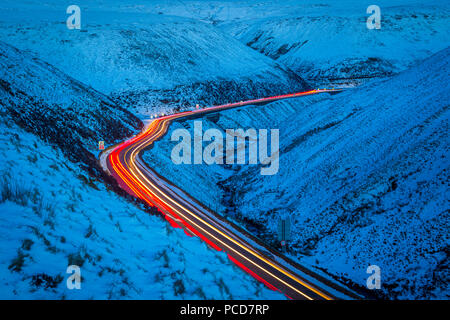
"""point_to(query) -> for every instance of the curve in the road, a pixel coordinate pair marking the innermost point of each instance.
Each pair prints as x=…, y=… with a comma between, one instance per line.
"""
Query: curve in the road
x=124, y=163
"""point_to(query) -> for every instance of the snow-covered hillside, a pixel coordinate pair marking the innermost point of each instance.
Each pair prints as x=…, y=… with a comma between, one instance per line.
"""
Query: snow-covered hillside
x=328, y=43
x=52, y=215
x=210, y=191
x=61, y=110
x=363, y=176
x=145, y=60
x=325, y=40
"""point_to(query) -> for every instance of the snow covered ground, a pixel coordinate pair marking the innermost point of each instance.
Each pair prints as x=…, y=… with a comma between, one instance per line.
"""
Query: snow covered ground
x=363, y=176
x=58, y=108
x=145, y=60
x=325, y=40
x=52, y=215
x=210, y=192
x=159, y=55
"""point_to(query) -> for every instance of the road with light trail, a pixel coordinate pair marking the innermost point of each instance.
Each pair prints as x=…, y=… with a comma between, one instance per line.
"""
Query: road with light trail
x=124, y=163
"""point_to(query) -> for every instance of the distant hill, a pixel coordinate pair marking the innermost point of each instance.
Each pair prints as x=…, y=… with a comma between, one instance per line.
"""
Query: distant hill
x=147, y=62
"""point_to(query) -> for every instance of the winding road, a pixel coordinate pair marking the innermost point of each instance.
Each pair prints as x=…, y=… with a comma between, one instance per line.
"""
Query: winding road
x=124, y=163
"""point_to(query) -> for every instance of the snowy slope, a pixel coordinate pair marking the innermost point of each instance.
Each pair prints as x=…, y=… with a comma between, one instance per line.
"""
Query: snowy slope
x=363, y=176
x=52, y=215
x=126, y=48
x=144, y=59
x=210, y=192
x=331, y=42
x=370, y=170
x=323, y=39
x=58, y=108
